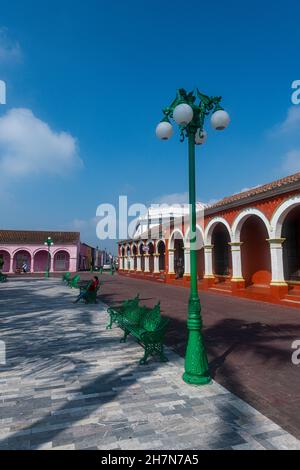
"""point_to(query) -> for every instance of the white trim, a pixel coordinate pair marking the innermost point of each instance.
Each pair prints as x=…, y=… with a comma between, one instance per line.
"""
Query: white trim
x=242, y=217
x=210, y=228
x=198, y=228
x=171, y=239
x=281, y=213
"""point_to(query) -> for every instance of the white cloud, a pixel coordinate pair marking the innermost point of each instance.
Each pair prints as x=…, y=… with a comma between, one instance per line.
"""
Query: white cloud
x=174, y=198
x=29, y=147
x=291, y=162
x=290, y=124
x=10, y=51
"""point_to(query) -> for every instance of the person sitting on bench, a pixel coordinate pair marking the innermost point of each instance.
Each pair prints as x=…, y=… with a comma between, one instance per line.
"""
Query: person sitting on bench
x=92, y=286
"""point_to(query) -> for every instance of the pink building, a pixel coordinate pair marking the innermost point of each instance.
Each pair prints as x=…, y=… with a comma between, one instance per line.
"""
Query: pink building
x=19, y=246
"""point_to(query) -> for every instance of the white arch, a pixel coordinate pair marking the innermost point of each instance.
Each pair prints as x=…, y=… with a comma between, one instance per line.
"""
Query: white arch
x=38, y=250
x=241, y=219
x=172, y=237
x=149, y=241
x=21, y=249
x=7, y=250
x=61, y=249
x=210, y=228
x=186, y=238
x=158, y=242
x=134, y=244
x=280, y=214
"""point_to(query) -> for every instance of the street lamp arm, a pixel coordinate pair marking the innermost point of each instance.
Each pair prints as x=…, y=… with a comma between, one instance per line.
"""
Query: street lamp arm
x=187, y=101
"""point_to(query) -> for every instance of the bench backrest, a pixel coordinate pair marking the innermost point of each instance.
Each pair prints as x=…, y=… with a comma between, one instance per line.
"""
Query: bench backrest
x=151, y=320
x=144, y=317
x=75, y=279
x=130, y=304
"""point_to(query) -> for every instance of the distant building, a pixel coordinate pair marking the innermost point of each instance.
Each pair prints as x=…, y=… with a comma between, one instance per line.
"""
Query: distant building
x=28, y=246
x=249, y=245
x=19, y=246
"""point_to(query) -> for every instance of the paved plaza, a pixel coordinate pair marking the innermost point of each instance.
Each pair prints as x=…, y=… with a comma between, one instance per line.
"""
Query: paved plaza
x=68, y=383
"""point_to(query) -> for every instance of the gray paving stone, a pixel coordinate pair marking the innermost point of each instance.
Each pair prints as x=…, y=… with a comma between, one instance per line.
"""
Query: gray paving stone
x=70, y=384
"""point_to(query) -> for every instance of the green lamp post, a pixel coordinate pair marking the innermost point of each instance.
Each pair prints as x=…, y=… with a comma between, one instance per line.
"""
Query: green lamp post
x=48, y=243
x=189, y=111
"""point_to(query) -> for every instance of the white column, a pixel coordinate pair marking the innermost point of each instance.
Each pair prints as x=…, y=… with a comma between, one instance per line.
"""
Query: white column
x=52, y=264
x=11, y=264
x=208, y=261
x=236, y=261
x=138, y=263
x=156, y=263
x=120, y=262
x=171, y=261
x=277, y=261
x=146, y=270
x=187, y=262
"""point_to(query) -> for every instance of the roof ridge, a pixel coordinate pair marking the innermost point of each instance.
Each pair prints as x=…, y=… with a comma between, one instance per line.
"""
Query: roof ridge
x=257, y=190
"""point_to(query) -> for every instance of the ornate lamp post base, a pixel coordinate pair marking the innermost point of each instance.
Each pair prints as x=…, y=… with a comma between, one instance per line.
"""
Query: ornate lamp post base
x=196, y=364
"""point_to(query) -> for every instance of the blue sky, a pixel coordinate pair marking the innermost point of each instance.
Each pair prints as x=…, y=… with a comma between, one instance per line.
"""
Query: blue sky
x=86, y=82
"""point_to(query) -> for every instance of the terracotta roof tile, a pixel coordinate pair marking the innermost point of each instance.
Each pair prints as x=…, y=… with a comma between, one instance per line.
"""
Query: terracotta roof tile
x=258, y=190
x=38, y=237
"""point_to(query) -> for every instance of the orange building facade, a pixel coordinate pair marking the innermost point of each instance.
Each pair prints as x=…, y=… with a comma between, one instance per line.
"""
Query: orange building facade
x=249, y=246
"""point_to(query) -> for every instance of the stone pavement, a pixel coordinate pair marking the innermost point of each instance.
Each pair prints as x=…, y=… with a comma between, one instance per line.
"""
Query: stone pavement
x=248, y=342
x=68, y=383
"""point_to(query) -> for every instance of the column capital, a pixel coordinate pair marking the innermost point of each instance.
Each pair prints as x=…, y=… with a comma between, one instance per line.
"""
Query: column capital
x=235, y=243
x=275, y=241
x=171, y=250
x=208, y=247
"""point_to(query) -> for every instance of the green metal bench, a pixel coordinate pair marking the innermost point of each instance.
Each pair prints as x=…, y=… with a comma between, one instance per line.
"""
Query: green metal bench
x=116, y=312
x=90, y=296
x=148, y=327
x=66, y=277
x=73, y=282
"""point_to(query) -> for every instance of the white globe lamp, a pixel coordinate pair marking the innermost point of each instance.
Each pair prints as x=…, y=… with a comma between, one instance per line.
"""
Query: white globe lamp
x=183, y=114
x=164, y=130
x=220, y=120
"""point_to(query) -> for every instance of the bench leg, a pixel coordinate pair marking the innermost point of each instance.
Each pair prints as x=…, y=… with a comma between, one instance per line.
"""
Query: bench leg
x=123, y=340
x=162, y=357
x=145, y=357
x=111, y=320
